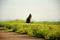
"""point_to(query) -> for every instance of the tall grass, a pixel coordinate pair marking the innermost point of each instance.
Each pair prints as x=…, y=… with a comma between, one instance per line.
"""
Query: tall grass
x=46, y=30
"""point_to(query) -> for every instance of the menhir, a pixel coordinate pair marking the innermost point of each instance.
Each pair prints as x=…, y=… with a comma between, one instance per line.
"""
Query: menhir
x=28, y=20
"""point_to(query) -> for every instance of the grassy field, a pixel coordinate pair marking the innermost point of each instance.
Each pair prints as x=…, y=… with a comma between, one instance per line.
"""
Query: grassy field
x=46, y=30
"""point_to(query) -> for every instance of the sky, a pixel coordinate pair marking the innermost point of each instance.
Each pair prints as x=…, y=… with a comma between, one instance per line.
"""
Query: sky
x=41, y=10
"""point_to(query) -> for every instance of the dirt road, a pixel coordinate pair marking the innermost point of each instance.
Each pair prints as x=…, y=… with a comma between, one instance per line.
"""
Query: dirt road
x=4, y=35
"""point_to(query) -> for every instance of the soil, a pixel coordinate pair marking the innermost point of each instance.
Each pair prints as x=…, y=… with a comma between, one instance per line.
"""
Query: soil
x=5, y=35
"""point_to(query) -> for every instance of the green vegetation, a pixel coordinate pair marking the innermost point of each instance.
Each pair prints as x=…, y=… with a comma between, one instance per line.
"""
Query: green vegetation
x=46, y=30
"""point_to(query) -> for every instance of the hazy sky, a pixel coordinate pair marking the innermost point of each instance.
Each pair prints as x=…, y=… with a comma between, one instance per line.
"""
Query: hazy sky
x=41, y=10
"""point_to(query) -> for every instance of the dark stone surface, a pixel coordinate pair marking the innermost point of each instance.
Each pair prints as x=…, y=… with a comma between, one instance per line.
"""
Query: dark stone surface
x=28, y=18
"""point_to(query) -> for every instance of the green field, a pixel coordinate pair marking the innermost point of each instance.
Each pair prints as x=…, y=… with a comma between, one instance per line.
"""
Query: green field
x=46, y=30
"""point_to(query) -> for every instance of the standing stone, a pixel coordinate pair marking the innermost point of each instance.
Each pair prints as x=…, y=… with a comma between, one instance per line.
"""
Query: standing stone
x=28, y=20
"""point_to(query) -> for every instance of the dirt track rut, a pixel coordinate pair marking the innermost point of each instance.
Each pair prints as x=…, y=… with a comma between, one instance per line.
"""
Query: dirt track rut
x=4, y=35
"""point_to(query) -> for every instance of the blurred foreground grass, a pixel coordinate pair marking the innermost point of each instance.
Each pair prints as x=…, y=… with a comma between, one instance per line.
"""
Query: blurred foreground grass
x=46, y=30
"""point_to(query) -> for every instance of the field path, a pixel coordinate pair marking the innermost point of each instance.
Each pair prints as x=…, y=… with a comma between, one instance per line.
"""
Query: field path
x=4, y=35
